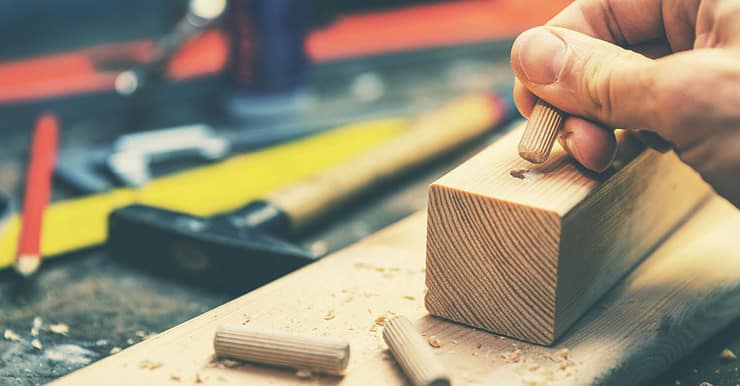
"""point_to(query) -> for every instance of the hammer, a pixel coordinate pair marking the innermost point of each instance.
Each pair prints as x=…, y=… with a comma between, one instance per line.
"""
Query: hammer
x=241, y=250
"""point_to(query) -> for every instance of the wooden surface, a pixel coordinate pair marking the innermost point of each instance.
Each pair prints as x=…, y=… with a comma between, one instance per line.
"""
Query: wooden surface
x=688, y=289
x=526, y=254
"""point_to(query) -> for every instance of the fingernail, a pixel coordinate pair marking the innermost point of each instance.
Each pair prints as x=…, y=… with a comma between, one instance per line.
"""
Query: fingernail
x=541, y=55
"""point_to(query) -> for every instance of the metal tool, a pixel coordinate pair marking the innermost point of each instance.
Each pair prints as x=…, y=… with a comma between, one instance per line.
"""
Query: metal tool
x=200, y=15
x=240, y=250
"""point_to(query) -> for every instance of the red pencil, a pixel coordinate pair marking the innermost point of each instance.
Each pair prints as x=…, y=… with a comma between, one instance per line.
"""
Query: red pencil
x=37, y=194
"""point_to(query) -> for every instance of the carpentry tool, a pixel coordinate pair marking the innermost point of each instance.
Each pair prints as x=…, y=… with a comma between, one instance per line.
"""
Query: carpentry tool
x=541, y=131
x=238, y=250
x=203, y=190
x=302, y=352
x=37, y=194
x=130, y=160
x=413, y=353
x=200, y=15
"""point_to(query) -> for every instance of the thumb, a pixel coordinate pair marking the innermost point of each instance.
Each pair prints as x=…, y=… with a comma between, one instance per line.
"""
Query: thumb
x=586, y=77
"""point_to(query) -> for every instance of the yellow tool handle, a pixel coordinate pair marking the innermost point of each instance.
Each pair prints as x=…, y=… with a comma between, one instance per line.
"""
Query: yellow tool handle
x=430, y=136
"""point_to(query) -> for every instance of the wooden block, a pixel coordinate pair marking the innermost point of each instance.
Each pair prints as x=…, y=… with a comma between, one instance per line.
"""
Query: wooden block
x=524, y=250
x=687, y=290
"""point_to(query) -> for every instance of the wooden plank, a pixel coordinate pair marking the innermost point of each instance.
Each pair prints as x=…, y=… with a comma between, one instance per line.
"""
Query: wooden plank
x=687, y=290
x=526, y=254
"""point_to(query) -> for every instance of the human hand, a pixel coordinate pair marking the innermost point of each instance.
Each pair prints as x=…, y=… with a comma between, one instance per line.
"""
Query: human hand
x=670, y=67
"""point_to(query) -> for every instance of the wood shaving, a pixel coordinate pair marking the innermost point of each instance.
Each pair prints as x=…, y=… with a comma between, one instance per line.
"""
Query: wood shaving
x=150, y=365
x=329, y=315
x=434, y=342
x=727, y=355
x=36, y=326
x=227, y=363
x=59, y=329
x=380, y=320
x=304, y=374
x=114, y=350
x=198, y=378
x=516, y=356
x=409, y=297
x=11, y=336
x=36, y=344
x=175, y=378
x=560, y=355
x=566, y=364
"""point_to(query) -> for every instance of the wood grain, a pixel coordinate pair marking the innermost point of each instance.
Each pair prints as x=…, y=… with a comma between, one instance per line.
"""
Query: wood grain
x=525, y=255
x=687, y=290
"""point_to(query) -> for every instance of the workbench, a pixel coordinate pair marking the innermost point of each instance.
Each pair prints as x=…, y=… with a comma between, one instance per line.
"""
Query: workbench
x=110, y=306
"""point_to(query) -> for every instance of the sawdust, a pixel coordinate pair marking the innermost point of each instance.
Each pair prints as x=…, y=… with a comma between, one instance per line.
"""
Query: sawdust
x=11, y=336
x=36, y=326
x=727, y=355
x=409, y=297
x=380, y=320
x=198, y=378
x=175, y=378
x=59, y=329
x=150, y=365
x=560, y=355
x=37, y=344
x=434, y=341
x=304, y=374
x=329, y=315
x=512, y=357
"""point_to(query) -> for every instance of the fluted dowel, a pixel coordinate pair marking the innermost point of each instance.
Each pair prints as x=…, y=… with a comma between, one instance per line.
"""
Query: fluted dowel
x=539, y=135
x=317, y=353
x=413, y=353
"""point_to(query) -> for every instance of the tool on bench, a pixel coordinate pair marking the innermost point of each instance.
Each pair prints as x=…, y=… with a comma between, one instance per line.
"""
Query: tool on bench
x=37, y=194
x=240, y=250
x=131, y=158
x=540, y=133
x=200, y=15
x=205, y=190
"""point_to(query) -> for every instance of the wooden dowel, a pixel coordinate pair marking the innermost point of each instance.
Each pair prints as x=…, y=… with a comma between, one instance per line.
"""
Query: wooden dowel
x=413, y=353
x=316, y=353
x=539, y=135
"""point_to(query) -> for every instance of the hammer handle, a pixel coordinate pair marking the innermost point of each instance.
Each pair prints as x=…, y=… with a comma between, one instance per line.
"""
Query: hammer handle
x=431, y=135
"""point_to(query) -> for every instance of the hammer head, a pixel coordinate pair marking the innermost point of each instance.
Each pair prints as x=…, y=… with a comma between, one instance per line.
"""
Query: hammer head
x=211, y=252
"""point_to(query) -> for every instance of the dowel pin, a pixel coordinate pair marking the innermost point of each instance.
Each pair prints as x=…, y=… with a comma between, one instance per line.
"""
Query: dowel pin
x=540, y=133
x=316, y=353
x=412, y=352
